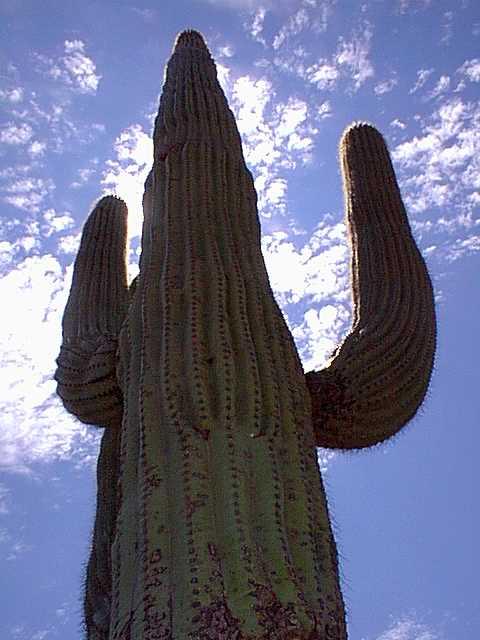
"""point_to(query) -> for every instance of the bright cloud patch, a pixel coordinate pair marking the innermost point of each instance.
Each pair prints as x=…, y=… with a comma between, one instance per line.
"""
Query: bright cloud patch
x=406, y=5
x=295, y=24
x=471, y=69
x=323, y=74
x=27, y=193
x=16, y=134
x=314, y=274
x=75, y=68
x=441, y=170
x=385, y=87
x=13, y=95
x=351, y=62
x=54, y=223
x=126, y=174
x=35, y=427
x=422, y=77
x=354, y=55
x=255, y=26
x=409, y=629
x=276, y=138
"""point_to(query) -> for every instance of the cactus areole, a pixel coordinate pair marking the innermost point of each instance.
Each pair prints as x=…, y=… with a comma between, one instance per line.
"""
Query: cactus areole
x=212, y=521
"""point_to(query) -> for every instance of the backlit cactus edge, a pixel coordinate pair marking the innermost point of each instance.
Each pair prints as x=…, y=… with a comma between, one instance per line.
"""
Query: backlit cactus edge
x=212, y=521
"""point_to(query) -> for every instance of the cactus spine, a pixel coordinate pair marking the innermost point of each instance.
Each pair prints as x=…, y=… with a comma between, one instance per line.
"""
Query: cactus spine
x=212, y=521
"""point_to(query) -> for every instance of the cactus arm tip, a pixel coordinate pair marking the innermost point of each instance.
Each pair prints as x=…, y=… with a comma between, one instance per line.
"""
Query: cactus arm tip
x=379, y=375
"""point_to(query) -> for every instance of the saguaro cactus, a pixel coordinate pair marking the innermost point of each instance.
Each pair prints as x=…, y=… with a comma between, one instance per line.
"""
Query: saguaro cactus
x=212, y=521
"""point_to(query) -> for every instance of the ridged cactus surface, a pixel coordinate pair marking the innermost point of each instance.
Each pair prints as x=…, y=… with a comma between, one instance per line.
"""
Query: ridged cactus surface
x=379, y=375
x=212, y=521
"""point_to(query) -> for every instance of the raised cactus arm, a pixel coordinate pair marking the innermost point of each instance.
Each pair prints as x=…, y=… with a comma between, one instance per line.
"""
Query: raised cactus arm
x=379, y=375
x=95, y=311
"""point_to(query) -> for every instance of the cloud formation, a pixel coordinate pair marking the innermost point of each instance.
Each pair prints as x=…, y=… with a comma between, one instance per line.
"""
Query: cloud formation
x=409, y=629
x=13, y=134
x=351, y=63
x=35, y=427
x=74, y=67
x=440, y=169
x=127, y=171
x=354, y=54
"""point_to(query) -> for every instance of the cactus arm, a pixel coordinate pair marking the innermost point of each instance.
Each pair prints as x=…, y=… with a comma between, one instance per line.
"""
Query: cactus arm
x=95, y=311
x=379, y=375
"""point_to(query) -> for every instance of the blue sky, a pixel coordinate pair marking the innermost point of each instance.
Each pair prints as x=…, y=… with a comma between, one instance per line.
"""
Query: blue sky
x=79, y=87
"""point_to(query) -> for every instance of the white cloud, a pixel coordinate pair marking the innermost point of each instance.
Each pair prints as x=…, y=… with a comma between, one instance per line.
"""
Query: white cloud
x=294, y=25
x=324, y=110
x=447, y=27
x=291, y=116
x=68, y=245
x=223, y=75
x=354, y=54
x=275, y=193
x=4, y=493
x=321, y=14
x=54, y=223
x=84, y=176
x=45, y=116
x=74, y=67
x=409, y=629
x=239, y=4
x=226, y=51
x=471, y=69
x=442, y=85
x=422, y=77
x=27, y=193
x=385, y=87
x=350, y=62
x=16, y=134
x=324, y=74
x=35, y=427
x=398, y=124
x=320, y=330
x=10, y=252
x=440, y=169
x=255, y=26
x=13, y=95
x=37, y=149
x=251, y=97
x=317, y=269
x=415, y=5
x=126, y=174
x=316, y=272
x=276, y=138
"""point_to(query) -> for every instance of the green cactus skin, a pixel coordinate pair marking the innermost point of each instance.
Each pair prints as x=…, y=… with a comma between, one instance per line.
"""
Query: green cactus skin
x=212, y=521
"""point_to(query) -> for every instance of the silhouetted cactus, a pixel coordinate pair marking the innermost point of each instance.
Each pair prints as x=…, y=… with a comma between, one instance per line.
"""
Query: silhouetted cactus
x=212, y=520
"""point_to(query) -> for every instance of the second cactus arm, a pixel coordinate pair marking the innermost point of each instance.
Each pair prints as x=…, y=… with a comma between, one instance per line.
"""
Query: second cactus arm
x=379, y=375
x=217, y=526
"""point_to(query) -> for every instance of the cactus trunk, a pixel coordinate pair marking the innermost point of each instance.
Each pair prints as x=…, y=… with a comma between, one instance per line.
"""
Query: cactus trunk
x=212, y=521
x=223, y=529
